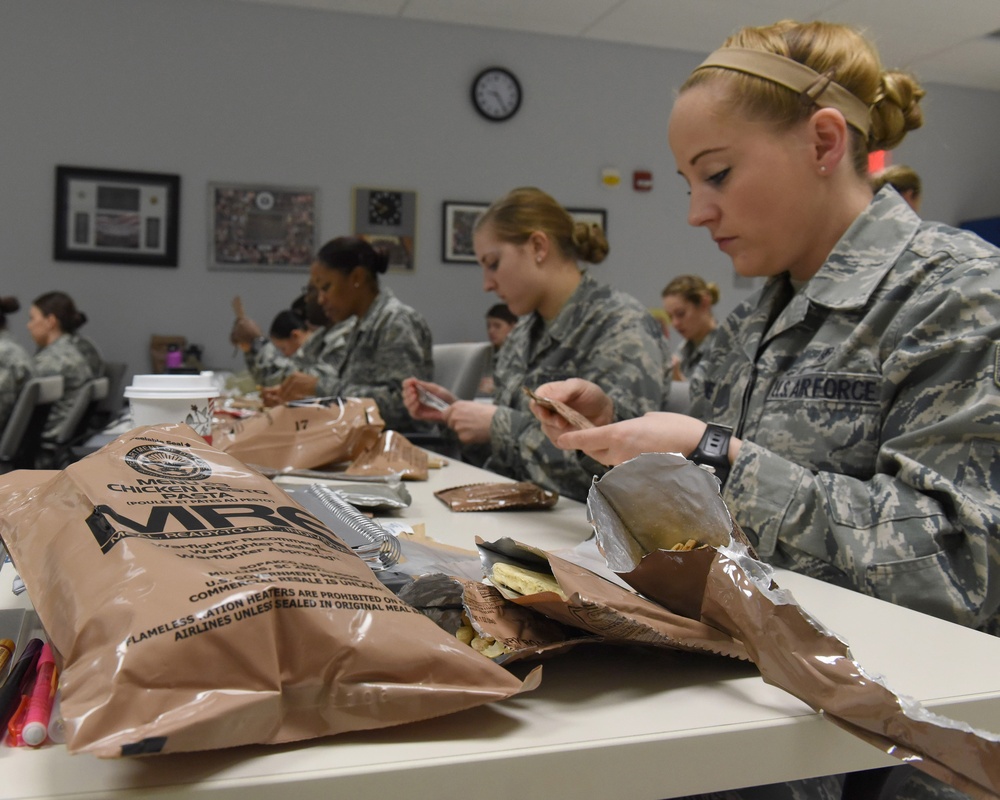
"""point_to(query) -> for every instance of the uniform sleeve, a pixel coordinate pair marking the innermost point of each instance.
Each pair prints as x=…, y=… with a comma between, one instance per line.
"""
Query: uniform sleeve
x=268, y=366
x=923, y=531
x=628, y=363
x=401, y=349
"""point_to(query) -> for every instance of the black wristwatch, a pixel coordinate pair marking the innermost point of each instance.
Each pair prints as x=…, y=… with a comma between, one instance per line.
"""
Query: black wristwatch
x=713, y=451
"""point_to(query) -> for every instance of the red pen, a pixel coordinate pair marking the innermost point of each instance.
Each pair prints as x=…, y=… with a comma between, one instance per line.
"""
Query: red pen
x=36, y=715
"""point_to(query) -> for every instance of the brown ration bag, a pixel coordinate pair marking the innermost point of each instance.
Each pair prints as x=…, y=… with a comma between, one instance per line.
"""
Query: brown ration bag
x=192, y=605
x=501, y=496
x=391, y=454
x=303, y=435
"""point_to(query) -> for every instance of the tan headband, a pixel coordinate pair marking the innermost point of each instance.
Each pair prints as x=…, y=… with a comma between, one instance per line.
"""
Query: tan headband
x=809, y=84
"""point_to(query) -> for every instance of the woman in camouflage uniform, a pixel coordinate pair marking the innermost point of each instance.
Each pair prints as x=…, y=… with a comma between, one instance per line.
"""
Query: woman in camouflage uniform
x=861, y=383
x=388, y=342
x=52, y=321
x=530, y=250
x=15, y=363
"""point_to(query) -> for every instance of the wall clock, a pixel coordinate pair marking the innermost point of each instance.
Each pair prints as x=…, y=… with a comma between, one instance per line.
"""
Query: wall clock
x=385, y=208
x=496, y=94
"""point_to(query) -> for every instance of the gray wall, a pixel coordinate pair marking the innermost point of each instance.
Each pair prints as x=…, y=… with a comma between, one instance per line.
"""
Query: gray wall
x=218, y=90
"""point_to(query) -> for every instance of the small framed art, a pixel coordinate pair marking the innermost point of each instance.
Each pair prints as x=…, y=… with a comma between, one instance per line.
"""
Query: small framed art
x=388, y=218
x=457, y=224
x=261, y=227
x=116, y=216
x=591, y=216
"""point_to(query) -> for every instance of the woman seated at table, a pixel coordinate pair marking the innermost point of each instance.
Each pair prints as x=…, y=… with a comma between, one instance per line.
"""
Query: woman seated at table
x=52, y=321
x=530, y=250
x=389, y=340
x=15, y=363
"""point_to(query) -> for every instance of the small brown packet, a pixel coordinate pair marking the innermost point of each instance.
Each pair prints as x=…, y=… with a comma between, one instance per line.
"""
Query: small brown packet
x=572, y=416
x=596, y=605
x=391, y=454
x=521, y=495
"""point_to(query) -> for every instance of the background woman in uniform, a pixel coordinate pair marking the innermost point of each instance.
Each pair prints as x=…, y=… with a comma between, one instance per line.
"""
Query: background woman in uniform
x=530, y=250
x=689, y=300
x=389, y=341
x=52, y=321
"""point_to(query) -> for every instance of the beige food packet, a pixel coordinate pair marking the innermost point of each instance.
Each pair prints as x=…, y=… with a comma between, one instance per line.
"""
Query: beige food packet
x=602, y=608
x=391, y=454
x=193, y=605
x=571, y=415
x=657, y=499
x=302, y=435
x=507, y=496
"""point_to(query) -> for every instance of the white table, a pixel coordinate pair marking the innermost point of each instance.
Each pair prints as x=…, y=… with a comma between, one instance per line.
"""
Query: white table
x=605, y=722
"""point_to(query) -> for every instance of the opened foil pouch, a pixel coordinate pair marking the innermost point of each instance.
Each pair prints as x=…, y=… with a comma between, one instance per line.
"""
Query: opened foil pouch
x=193, y=605
x=643, y=507
x=304, y=434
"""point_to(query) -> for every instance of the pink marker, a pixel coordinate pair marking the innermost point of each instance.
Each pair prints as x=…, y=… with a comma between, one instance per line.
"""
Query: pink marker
x=36, y=716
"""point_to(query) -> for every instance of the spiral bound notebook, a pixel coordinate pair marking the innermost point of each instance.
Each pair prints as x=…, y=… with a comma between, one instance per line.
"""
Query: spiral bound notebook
x=366, y=537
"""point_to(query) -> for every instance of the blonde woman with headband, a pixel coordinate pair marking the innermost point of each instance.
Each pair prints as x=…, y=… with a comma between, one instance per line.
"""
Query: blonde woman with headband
x=855, y=397
x=688, y=301
x=532, y=253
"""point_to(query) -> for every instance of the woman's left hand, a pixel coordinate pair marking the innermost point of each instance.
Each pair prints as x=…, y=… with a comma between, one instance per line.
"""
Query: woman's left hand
x=296, y=386
x=656, y=432
x=470, y=420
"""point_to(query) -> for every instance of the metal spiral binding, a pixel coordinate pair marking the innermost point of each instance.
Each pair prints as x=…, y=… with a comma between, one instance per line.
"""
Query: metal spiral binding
x=384, y=547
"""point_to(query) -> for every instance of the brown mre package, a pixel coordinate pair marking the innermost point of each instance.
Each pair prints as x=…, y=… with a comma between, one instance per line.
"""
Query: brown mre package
x=194, y=606
x=501, y=496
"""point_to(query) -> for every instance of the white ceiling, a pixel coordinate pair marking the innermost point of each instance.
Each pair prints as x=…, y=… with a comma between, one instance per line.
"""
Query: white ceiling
x=941, y=41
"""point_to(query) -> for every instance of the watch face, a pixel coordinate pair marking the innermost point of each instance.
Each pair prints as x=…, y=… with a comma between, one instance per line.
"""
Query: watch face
x=385, y=208
x=496, y=94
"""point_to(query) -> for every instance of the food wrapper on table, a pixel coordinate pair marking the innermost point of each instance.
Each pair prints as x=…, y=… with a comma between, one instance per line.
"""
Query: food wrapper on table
x=193, y=605
x=643, y=507
x=303, y=434
x=589, y=602
x=505, y=496
x=391, y=454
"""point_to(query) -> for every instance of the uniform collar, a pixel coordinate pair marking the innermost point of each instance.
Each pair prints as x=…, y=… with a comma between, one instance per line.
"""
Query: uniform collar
x=566, y=321
x=865, y=253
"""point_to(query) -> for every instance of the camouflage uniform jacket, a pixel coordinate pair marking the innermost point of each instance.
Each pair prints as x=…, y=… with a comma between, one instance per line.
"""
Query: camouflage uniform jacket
x=15, y=369
x=869, y=414
x=692, y=354
x=391, y=342
x=320, y=354
x=90, y=353
x=62, y=358
x=601, y=335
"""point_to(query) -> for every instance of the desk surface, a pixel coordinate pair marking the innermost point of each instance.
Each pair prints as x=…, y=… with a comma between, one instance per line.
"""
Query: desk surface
x=604, y=723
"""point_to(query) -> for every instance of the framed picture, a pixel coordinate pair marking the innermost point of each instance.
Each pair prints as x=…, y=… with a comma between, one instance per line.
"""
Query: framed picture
x=456, y=231
x=262, y=228
x=116, y=217
x=388, y=218
x=591, y=216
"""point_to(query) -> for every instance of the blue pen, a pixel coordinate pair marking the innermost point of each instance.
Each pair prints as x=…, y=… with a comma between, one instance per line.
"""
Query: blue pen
x=18, y=680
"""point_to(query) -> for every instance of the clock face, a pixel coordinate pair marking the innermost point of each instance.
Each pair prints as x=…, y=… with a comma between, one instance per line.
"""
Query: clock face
x=496, y=94
x=385, y=208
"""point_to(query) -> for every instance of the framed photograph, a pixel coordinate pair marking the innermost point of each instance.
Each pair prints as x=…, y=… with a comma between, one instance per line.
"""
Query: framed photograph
x=388, y=218
x=591, y=216
x=262, y=228
x=116, y=217
x=456, y=231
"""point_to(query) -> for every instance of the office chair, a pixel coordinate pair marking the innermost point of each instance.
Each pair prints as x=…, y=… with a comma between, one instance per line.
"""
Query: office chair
x=459, y=367
x=23, y=431
x=76, y=425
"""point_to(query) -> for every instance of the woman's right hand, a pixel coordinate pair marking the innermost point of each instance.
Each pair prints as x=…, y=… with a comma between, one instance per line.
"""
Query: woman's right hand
x=417, y=408
x=583, y=396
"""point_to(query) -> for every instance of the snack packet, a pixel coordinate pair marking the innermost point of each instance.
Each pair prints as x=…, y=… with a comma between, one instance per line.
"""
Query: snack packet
x=193, y=606
x=571, y=415
x=649, y=503
x=497, y=497
x=303, y=434
x=391, y=454
x=587, y=601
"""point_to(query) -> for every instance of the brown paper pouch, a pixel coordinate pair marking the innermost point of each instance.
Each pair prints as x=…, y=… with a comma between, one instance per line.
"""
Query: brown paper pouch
x=521, y=495
x=391, y=454
x=302, y=435
x=605, y=609
x=193, y=605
